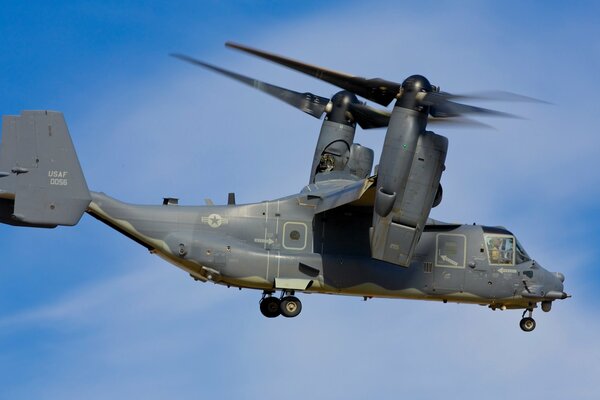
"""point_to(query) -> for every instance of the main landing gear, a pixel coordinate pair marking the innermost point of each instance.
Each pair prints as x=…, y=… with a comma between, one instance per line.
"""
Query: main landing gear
x=527, y=324
x=287, y=305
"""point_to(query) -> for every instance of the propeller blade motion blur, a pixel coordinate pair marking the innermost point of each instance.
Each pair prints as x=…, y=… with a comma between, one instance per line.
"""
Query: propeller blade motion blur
x=378, y=90
x=307, y=102
x=367, y=117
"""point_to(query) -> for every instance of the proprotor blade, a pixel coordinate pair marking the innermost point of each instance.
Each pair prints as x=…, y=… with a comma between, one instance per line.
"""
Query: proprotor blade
x=309, y=103
x=442, y=107
x=457, y=122
x=369, y=117
x=376, y=89
x=493, y=95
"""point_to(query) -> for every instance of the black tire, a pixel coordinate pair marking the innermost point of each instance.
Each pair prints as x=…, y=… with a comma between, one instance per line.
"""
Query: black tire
x=290, y=306
x=527, y=324
x=270, y=307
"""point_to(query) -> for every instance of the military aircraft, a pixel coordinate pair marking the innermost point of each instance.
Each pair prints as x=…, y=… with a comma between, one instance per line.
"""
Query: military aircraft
x=349, y=231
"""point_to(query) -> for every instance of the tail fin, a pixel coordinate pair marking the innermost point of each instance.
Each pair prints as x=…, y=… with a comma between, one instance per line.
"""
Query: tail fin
x=41, y=182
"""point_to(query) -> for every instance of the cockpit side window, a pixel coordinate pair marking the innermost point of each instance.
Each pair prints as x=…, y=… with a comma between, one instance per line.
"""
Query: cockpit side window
x=522, y=255
x=500, y=249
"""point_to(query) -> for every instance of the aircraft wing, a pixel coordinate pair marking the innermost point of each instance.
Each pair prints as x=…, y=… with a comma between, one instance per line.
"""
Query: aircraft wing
x=332, y=193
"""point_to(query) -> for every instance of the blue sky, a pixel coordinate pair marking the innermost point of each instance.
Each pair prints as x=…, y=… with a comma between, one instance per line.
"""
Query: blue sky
x=86, y=313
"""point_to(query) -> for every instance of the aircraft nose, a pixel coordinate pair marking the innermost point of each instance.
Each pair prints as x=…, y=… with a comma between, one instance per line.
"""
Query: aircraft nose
x=556, y=289
x=559, y=280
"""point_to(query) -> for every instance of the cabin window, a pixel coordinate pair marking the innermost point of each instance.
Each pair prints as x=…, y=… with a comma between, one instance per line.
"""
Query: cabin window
x=450, y=250
x=500, y=249
x=294, y=235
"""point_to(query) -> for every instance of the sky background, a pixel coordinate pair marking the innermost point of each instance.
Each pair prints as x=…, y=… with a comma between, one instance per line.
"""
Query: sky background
x=87, y=313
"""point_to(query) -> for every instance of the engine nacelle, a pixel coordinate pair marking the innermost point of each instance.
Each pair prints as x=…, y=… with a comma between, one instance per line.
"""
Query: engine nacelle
x=400, y=216
x=360, y=162
x=333, y=148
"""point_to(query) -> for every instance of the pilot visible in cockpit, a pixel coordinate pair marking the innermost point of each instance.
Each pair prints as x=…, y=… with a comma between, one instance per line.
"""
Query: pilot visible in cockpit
x=500, y=250
x=494, y=245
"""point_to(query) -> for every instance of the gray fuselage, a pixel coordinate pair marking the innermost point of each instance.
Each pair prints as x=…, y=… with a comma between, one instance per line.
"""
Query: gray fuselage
x=284, y=244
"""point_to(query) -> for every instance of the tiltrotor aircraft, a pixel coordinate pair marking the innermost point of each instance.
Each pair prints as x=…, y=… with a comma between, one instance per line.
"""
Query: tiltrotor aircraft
x=347, y=232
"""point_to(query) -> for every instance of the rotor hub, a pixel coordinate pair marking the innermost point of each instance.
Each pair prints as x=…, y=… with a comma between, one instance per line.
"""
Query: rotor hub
x=343, y=98
x=416, y=83
x=340, y=110
x=410, y=89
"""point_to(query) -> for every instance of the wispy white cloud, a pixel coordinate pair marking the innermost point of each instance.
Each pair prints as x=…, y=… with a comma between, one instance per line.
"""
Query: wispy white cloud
x=144, y=291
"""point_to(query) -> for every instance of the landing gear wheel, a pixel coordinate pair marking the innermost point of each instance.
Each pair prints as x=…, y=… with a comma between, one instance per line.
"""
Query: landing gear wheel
x=527, y=324
x=290, y=306
x=270, y=307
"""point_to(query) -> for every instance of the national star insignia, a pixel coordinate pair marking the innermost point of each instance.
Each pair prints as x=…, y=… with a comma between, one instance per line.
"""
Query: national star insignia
x=214, y=220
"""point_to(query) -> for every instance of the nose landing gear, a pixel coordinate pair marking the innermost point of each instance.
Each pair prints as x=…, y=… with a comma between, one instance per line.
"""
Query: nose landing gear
x=527, y=324
x=287, y=305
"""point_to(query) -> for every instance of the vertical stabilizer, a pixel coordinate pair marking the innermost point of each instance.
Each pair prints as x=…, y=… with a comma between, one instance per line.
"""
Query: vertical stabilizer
x=41, y=182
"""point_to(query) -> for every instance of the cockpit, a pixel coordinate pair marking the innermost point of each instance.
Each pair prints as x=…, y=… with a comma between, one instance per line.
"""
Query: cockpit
x=504, y=250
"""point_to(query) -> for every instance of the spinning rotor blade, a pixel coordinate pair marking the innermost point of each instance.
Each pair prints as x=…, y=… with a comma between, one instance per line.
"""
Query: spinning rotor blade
x=378, y=90
x=457, y=122
x=367, y=117
x=493, y=95
x=373, y=118
x=381, y=91
x=442, y=107
x=307, y=102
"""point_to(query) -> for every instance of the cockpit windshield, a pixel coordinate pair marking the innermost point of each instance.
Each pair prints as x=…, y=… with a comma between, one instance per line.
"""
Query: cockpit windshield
x=500, y=249
x=522, y=255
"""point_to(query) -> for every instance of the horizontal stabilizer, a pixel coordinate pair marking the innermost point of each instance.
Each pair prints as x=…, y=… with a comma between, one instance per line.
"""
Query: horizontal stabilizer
x=41, y=182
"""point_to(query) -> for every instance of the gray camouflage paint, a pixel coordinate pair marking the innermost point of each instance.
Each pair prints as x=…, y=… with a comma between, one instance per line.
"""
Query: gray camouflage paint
x=253, y=246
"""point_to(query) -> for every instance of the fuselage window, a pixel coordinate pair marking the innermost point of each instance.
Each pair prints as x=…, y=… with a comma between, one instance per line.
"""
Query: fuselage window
x=294, y=235
x=500, y=249
x=450, y=250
